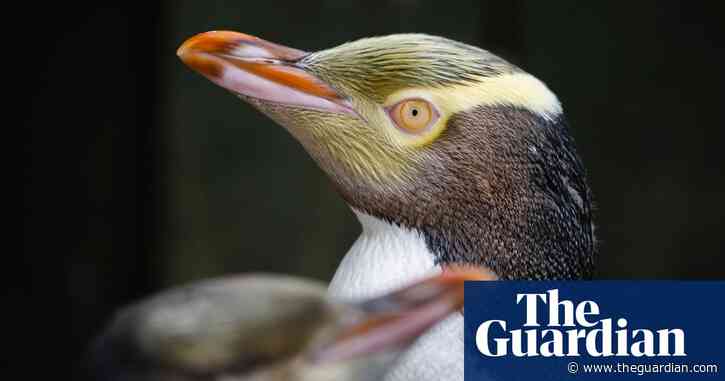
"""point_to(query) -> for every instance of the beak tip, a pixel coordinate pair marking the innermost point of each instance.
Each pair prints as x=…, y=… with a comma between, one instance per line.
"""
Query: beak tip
x=194, y=50
x=185, y=49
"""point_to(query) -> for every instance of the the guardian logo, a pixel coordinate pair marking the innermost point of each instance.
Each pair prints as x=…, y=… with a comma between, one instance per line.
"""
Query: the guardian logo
x=572, y=329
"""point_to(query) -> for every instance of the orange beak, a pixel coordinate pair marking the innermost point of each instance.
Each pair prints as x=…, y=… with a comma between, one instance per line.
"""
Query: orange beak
x=256, y=68
x=395, y=320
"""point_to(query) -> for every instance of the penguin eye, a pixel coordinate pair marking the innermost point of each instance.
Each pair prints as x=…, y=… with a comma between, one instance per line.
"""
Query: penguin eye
x=413, y=115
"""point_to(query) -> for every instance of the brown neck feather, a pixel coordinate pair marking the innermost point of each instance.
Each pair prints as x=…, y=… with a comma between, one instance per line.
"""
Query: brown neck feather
x=502, y=187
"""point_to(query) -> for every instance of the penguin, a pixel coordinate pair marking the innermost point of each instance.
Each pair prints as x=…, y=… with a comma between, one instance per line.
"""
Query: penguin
x=448, y=155
x=269, y=328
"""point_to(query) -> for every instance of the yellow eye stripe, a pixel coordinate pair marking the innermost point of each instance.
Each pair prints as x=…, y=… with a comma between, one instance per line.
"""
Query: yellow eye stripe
x=515, y=89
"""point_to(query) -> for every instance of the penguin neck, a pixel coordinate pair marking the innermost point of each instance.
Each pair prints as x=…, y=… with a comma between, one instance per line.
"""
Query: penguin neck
x=385, y=257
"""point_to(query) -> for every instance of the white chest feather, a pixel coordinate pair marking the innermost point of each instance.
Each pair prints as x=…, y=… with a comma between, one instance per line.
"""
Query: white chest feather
x=386, y=257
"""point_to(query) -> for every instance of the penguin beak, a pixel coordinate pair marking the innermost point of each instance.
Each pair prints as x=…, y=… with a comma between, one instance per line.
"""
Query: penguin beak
x=395, y=320
x=256, y=68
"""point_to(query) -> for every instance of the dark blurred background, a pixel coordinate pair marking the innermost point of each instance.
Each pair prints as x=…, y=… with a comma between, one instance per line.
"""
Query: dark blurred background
x=141, y=174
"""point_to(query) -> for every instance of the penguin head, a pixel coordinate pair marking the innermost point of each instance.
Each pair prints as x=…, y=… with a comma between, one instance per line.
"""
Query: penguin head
x=430, y=134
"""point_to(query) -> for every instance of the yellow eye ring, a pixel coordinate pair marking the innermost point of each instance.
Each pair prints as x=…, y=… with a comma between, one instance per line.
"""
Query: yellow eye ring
x=413, y=115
